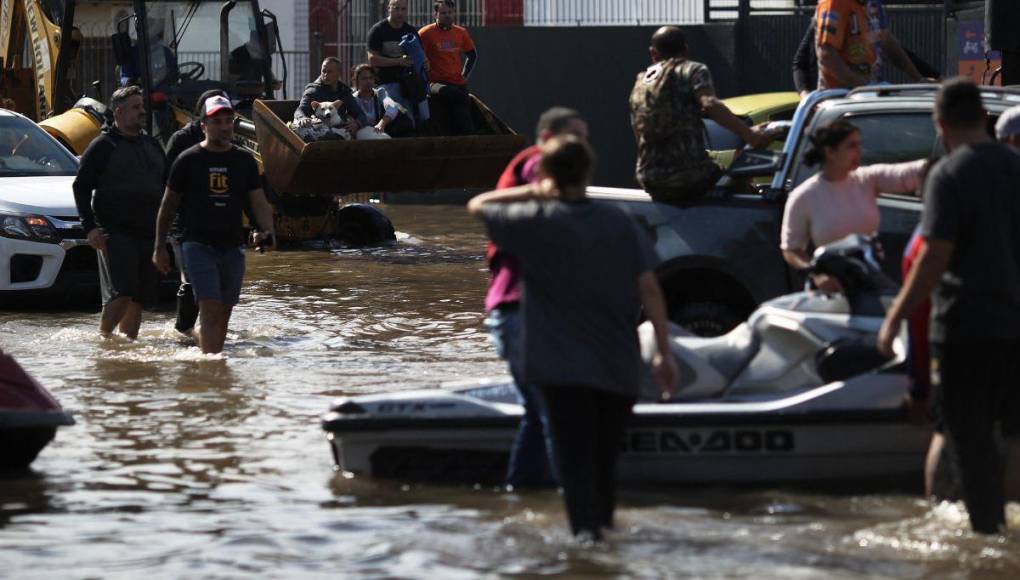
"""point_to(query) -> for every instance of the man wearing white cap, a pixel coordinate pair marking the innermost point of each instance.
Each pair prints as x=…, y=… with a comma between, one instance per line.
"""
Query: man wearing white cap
x=210, y=182
x=1007, y=128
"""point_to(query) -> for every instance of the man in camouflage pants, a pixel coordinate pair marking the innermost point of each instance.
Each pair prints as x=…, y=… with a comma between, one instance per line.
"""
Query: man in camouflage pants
x=666, y=106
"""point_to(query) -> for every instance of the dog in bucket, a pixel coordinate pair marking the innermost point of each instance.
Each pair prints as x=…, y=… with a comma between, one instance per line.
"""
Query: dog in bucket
x=330, y=122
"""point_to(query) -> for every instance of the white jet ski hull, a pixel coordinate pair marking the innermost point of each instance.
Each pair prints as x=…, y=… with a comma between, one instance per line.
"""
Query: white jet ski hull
x=838, y=433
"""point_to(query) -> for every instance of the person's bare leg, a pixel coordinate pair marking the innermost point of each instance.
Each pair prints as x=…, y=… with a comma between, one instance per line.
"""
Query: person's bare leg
x=932, y=466
x=112, y=314
x=131, y=321
x=212, y=331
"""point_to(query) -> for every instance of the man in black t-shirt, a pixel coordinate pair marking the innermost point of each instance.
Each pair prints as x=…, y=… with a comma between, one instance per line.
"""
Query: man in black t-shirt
x=183, y=139
x=209, y=183
x=971, y=228
x=389, y=60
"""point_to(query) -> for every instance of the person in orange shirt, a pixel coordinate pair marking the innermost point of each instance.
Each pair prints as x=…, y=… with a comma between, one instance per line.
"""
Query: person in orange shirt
x=844, y=44
x=444, y=43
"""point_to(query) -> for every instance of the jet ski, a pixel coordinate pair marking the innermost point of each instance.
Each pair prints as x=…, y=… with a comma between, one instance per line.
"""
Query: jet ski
x=797, y=394
x=29, y=416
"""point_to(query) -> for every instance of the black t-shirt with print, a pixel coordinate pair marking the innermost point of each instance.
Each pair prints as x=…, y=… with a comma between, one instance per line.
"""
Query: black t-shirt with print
x=384, y=40
x=213, y=187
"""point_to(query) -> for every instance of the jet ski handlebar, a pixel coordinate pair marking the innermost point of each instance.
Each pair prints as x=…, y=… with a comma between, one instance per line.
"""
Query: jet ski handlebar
x=854, y=263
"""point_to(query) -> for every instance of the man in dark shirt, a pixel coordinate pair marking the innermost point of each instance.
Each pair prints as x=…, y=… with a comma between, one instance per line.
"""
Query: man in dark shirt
x=117, y=193
x=389, y=60
x=971, y=227
x=329, y=88
x=667, y=103
x=209, y=183
x=182, y=139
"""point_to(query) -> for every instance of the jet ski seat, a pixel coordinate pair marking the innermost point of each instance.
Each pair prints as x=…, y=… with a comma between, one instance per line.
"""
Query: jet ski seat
x=728, y=354
x=724, y=356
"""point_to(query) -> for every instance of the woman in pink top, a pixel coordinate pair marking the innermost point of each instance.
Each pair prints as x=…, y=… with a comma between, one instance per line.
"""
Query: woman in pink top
x=842, y=198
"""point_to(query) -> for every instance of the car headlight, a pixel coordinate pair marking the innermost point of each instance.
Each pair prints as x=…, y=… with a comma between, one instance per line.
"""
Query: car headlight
x=28, y=227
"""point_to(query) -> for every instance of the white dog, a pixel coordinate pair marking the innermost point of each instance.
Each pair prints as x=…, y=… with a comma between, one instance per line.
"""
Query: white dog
x=327, y=124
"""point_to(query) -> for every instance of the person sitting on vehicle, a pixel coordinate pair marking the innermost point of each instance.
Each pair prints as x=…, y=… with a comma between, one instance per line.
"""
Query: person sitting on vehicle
x=805, y=60
x=666, y=107
x=389, y=60
x=326, y=89
x=1007, y=128
x=383, y=116
x=841, y=199
x=444, y=42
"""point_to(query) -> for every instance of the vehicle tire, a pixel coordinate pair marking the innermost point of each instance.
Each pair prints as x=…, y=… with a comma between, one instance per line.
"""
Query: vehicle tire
x=706, y=318
x=360, y=224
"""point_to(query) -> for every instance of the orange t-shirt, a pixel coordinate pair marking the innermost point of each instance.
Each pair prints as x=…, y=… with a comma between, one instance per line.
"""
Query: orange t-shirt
x=443, y=49
x=844, y=25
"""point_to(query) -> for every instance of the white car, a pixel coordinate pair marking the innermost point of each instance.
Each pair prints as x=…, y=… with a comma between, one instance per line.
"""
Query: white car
x=42, y=245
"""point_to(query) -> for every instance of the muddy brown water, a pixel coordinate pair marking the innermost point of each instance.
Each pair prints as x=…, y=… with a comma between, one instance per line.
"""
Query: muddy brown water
x=182, y=465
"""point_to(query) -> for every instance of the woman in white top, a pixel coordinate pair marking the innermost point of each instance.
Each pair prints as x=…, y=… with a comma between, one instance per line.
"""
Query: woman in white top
x=842, y=198
x=380, y=109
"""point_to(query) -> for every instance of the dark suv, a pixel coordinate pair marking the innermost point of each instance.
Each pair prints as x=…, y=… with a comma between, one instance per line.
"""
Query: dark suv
x=720, y=256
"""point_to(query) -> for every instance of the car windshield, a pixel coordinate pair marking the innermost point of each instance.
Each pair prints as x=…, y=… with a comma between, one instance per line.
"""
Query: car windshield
x=885, y=138
x=26, y=150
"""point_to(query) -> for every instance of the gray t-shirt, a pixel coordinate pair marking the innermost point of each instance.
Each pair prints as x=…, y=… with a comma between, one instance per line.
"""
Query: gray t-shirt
x=581, y=263
x=972, y=199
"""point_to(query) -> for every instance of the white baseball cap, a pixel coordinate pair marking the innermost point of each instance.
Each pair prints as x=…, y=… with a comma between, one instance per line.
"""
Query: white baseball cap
x=216, y=104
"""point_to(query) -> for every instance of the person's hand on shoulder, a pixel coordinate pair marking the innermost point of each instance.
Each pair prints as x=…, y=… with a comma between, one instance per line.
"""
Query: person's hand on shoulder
x=544, y=188
x=97, y=239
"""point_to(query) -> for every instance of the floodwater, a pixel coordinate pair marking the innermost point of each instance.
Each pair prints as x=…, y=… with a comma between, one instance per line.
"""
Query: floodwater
x=183, y=465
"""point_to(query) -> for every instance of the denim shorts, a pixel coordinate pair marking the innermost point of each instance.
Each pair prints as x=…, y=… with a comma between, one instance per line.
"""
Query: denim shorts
x=215, y=272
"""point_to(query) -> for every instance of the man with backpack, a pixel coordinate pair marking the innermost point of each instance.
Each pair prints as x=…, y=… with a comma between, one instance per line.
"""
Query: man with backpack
x=666, y=106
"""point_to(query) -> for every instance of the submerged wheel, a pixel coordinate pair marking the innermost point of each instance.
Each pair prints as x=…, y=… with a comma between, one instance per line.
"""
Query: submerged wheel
x=360, y=224
x=706, y=318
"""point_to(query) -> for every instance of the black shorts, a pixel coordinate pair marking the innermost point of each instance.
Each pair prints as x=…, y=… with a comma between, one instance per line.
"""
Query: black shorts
x=975, y=385
x=126, y=270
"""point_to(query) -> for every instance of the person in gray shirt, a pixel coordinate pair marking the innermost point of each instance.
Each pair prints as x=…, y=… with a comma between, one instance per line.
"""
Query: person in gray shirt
x=587, y=270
